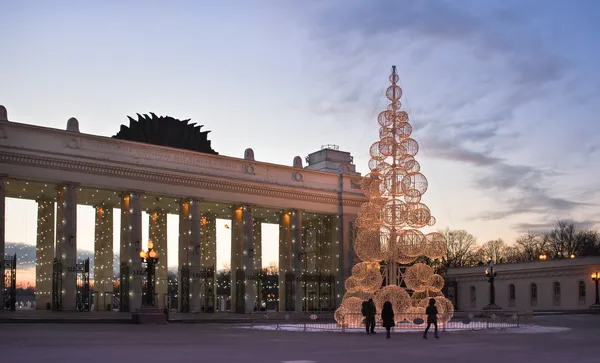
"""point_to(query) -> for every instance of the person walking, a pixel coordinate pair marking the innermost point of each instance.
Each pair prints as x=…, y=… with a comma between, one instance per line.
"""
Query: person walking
x=364, y=309
x=387, y=318
x=370, y=318
x=432, y=313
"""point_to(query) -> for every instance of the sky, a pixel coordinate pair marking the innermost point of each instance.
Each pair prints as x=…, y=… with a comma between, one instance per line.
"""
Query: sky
x=502, y=95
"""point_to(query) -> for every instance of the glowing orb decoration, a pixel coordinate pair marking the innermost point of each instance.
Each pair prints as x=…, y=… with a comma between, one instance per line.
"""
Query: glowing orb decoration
x=388, y=227
x=427, y=294
x=396, y=295
x=361, y=294
x=351, y=314
x=436, y=283
x=436, y=245
x=413, y=313
x=417, y=277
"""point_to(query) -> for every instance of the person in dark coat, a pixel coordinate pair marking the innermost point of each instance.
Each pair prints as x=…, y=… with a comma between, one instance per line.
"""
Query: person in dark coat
x=432, y=313
x=364, y=309
x=370, y=318
x=387, y=317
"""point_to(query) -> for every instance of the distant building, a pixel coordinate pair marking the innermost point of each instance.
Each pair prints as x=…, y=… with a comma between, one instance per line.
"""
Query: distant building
x=553, y=285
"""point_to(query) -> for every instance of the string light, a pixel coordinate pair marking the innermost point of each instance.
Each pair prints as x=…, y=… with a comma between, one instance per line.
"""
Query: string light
x=308, y=251
x=44, y=252
x=158, y=235
x=389, y=225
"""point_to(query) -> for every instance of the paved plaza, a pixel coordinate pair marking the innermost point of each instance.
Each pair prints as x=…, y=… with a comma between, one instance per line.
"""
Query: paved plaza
x=91, y=343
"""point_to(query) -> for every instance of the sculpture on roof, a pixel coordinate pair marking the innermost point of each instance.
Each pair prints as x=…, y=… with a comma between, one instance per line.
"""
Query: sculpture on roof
x=166, y=131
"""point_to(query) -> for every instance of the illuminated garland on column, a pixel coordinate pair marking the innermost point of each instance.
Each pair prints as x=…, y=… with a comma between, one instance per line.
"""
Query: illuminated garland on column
x=389, y=227
x=44, y=252
x=158, y=235
x=103, y=256
x=319, y=261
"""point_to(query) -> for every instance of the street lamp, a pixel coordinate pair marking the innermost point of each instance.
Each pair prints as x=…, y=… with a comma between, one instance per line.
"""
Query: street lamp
x=490, y=273
x=150, y=258
x=596, y=277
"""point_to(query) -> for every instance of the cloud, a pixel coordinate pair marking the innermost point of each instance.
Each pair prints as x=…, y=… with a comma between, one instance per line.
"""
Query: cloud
x=546, y=227
x=504, y=65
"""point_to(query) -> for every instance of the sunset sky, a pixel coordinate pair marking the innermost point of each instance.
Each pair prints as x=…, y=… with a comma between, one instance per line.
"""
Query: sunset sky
x=503, y=96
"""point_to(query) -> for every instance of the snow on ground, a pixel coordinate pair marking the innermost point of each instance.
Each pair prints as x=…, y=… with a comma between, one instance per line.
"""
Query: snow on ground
x=452, y=326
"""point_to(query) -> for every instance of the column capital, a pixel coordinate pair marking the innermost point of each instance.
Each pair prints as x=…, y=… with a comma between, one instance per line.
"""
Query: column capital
x=241, y=205
x=156, y=210
x=131, y=193
x=64, y=185
x=104, y=205
x=45, y=198
x=190, y=200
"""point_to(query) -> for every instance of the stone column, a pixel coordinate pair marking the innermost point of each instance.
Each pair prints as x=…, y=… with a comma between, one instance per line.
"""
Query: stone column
x=248, y=255
x=135, y=245
x=342, y=252
x=44, y=252
x=194, y=256
x=2, y=234
x=190, y=282
x=242, y=265
x=183, y=269
x=208, y=262
x=158, y=235
x=236, y=258
x=297, y=257
x=258, y=288
x=130, y=247
x=258, y=245
x=286, y=276
x=124, y=256
x=66, y=243
x=103, y=257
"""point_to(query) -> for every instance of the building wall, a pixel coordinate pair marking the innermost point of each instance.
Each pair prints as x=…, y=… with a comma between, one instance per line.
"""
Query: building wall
x=569, y=296
x=568, y=273
x=37, y=153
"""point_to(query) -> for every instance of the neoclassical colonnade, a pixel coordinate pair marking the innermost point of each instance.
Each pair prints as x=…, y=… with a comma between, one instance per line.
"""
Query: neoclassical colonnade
x=314, y=209
x=308, y=254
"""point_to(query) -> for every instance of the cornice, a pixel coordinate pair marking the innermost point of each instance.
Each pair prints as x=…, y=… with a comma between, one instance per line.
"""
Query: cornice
x=179, y=180
x=521, y=276
x=78, y=140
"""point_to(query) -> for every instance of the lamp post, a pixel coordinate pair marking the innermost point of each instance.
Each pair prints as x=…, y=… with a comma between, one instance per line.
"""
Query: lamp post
x=491, y=274
x=150, y=258
x=596, y=277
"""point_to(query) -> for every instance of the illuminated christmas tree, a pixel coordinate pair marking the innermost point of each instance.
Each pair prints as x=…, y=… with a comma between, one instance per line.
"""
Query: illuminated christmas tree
x=389, y=239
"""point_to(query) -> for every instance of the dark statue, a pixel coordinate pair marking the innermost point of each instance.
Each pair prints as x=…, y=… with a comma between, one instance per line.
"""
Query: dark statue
x=166, y=131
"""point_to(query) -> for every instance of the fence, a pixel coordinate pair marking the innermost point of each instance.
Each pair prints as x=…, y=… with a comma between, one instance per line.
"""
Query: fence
x=324, y=321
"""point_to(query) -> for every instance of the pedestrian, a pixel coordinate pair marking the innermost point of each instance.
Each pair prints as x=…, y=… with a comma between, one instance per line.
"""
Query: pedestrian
x=364, y=309
x=370, y=318
x=387, y=317
x=432, y=313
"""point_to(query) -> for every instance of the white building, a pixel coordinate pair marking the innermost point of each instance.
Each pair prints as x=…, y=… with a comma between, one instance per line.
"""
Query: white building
x=555, y=285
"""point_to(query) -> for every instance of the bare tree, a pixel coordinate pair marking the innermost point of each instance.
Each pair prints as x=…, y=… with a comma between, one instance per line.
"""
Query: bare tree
x=562, y=240
x=512, y=254
x=493, y=250
x=531, y=246
x=589, y=243
x=460, y=248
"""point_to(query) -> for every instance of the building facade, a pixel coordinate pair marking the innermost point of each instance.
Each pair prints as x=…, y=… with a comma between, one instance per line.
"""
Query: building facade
x=315, y=211
x=552, y=285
